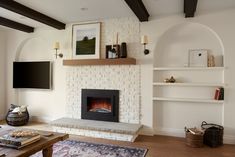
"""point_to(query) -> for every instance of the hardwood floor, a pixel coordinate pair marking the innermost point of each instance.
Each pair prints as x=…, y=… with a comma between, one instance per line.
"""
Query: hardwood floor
x=158, y=146
x=163, y=146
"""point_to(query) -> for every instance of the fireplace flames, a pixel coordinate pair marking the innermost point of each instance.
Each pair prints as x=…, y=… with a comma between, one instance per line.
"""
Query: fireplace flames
x=98, y=105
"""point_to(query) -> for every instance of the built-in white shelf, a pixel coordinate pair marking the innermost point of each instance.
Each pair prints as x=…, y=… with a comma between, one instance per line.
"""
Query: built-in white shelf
x=190, y=84
x=187, y=68
x=188, y=100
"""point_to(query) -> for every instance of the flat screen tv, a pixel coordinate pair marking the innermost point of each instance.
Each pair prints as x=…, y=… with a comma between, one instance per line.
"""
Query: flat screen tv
x=32, y=75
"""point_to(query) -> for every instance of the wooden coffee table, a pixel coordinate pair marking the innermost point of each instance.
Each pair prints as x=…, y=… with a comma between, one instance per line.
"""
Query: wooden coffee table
x=45, y=145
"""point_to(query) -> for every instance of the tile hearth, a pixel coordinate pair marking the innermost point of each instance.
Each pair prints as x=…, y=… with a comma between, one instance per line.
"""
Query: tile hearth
x=99, y=129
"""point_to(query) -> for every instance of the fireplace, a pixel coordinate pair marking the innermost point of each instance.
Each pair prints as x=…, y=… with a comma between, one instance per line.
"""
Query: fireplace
x=100, y=104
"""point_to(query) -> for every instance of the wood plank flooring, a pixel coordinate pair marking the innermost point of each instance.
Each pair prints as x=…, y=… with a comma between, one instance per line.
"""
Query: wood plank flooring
x=164, y=146
x=158, y=146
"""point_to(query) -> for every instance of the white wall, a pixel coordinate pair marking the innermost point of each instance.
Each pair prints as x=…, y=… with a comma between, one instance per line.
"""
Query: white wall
x=221, y=24
x=2, y=73
x=43, y=105
x=51, y=104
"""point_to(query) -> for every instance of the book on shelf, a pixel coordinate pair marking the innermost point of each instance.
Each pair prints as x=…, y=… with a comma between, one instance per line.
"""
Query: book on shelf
x=9, y=140
x=219, y=94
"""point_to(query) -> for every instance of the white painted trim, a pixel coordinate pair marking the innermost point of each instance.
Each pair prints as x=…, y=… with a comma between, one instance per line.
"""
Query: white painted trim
x=41, y=119
x=188, y=68
x=146, y=131
x=170, y=132
x=190, y=84
x=228, y=139
x=188, y=100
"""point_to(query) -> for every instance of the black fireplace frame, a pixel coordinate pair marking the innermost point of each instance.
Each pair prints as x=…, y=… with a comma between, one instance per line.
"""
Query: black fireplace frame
x=113, y=95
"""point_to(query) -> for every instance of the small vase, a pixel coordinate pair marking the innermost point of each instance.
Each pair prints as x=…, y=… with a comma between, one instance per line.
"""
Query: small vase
x=172, y=79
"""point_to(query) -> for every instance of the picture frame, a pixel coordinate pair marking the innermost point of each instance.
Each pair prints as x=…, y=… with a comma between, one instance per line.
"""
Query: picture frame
x=197, y=58
x=86, y=41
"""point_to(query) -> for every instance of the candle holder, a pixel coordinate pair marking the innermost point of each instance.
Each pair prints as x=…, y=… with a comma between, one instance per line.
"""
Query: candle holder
x=144, y=41
x=57, y=47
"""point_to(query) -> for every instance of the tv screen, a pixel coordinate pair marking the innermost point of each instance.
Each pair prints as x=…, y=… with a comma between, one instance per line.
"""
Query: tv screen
x=32, y=75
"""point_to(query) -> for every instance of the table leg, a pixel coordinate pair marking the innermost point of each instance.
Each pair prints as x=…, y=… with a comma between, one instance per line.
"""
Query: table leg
x=47, y=152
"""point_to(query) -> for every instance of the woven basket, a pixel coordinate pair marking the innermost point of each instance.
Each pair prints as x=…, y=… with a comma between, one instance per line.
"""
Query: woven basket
x=214, y=133
x=192, y=140
x=16, y=119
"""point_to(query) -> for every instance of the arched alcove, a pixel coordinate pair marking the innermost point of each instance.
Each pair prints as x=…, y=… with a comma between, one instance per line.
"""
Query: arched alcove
x=190, y=101
x=172, y=47
x=33, y=49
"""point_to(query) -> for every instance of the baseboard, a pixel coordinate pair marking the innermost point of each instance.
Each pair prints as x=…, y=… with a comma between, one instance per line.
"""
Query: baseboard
x=228, y=139
x=170, y=132
x=146, y=131
x=40, y=119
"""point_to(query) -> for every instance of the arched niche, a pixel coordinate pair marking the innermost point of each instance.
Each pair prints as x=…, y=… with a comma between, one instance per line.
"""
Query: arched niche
x=34, y=49
x=172, y=47
x=172, y=51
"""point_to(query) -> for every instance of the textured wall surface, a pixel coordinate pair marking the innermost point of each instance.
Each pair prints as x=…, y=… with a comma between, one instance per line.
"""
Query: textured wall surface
x=125, y=78
x=128, y=30
x=96, y=134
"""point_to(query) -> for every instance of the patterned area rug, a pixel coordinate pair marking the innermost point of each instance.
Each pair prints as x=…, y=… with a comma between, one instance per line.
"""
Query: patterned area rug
x=69, y=148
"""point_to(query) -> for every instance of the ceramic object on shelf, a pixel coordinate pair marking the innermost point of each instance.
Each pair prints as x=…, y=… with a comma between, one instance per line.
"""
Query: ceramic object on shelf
x=170, y=80
x=166, y=80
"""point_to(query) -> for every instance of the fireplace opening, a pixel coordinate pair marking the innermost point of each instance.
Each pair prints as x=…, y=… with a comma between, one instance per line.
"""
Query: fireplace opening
x=102, y=105
x=98, y=104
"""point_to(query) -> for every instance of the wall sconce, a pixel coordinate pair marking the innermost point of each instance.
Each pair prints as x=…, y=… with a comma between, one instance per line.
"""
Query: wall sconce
x=144, y=41
x=57, y=47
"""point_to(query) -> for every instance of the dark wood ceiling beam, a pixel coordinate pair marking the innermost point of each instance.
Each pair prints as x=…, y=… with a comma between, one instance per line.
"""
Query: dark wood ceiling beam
x=190, y=7
x=30, y=13
x=137, y=6
x=15, y=25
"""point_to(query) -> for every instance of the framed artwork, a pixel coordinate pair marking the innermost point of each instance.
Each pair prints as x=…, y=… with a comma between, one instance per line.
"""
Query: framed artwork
x=86, y=41
x=198, y=58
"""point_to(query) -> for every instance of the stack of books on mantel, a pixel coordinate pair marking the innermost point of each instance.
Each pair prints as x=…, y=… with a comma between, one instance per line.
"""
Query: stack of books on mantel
x=19, y=138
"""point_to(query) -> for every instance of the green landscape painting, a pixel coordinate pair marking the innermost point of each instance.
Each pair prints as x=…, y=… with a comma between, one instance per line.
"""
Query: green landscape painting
x=86, y=46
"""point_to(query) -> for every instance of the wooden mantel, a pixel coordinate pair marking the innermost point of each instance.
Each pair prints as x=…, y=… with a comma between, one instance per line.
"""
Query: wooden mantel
x=118, y=61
